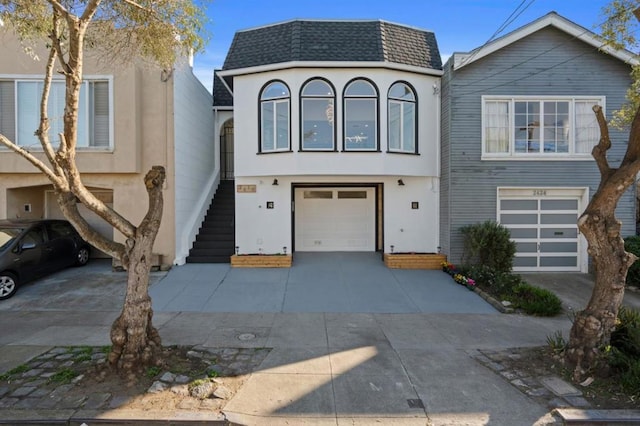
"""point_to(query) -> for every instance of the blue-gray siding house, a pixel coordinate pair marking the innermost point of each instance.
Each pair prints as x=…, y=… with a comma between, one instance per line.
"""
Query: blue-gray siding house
x=517, y=133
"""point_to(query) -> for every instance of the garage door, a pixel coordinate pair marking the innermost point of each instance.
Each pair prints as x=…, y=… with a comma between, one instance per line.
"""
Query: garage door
x=545, y=231
x=335, y=219
x=54, y=212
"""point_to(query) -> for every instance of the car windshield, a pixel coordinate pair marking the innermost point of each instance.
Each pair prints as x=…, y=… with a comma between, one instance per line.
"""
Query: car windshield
x=7, y=235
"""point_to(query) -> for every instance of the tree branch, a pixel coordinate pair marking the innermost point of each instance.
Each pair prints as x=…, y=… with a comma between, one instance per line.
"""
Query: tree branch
x=599, y=151
x=33, y=160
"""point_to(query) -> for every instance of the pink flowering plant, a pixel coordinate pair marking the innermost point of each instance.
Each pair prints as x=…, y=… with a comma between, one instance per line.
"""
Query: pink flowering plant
x=461, y=279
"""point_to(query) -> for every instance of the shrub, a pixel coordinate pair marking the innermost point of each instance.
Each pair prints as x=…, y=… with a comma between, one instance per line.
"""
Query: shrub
x=626, y=336
x=632, y=245
x=535, y=300
x=488, y=244
x=497, y=283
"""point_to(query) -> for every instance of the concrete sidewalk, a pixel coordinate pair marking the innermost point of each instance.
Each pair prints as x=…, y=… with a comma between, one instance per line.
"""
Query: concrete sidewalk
x=358, y=364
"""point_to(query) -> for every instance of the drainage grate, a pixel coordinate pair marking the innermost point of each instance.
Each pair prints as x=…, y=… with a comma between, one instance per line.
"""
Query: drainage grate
x=415, y=403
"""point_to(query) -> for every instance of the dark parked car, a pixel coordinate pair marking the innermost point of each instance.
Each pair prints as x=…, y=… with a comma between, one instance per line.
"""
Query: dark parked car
x=30, y=249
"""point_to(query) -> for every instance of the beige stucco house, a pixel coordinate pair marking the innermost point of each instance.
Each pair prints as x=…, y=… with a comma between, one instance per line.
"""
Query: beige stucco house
x=131, y=118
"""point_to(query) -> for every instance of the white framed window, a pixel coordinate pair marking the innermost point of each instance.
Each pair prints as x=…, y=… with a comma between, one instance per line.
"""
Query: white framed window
x=402, y=119
x=20, y=112
x=275, y=117
x=318, y=116
x=360, y=116
x=534, y=128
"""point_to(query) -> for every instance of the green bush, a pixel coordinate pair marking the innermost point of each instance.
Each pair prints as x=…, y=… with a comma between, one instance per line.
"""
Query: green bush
x=488, y=244
x=632, y=245
x=535, y=300
x=496, y=283
x=624, y=350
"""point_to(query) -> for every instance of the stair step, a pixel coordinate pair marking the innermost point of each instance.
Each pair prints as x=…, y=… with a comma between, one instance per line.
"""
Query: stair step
x=226, y=237
x=214, y=244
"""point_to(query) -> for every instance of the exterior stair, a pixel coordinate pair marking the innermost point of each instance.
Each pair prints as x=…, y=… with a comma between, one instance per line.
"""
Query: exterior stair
x=215, y=242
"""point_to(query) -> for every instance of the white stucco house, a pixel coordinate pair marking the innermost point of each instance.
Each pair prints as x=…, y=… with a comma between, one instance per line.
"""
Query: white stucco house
x=330, y=133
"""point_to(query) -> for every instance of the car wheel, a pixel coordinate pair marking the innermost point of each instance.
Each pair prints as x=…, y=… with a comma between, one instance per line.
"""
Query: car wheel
x=8, y=285
x=83, y=256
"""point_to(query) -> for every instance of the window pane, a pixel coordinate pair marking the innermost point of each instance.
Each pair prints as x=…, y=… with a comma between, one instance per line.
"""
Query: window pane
x=395, y=124
x=275, y=90
x=497, y=127
x=556, y=127
x=282, y=111
x=318, y=194
x=587, y=130
x=401, y=91
x=267, y=126
x=317, y=124
x=99, y=100
x=352, y=194
x=409, y=127
x=317, y=88
x=28, y=101
x=360, y=124
x=360, y=88
x=527, y=131
x=7, y=109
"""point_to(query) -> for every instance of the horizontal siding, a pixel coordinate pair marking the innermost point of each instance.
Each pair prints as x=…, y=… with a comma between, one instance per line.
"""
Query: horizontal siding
x=548, y=62
x=445, y=123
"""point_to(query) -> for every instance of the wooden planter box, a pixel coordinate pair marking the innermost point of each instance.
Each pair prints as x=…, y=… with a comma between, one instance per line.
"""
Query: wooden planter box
x=414, y=260
x=261, y=261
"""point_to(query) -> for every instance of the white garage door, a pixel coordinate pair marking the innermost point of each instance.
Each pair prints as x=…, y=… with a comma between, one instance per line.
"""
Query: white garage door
x=545, y=231
x=335, y=219
x=54, y=212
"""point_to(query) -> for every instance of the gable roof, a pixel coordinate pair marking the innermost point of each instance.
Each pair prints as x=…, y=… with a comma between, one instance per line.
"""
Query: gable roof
x=222, y=91
x=333, y=41
x=551, y=19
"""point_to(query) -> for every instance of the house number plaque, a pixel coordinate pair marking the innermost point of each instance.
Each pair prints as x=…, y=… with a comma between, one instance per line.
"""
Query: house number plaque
x=245, y=188
x=539, y=192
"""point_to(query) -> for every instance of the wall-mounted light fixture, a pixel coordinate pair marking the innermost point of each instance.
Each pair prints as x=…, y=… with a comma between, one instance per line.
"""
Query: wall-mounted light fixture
x=237, y=250
x=391, y=248
x=275, y=182
x=400, y=182
x=284, y=250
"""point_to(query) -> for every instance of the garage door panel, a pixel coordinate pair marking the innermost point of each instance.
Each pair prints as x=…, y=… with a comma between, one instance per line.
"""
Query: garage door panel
x=519, y=219
x=519, y=204
x=560, y=247
x=527, y=247
x=559, y=205
x=523, y=233
x=334, y=219
x=559, y=261
x=558, y=219
x=525, y=262
x=559, y=232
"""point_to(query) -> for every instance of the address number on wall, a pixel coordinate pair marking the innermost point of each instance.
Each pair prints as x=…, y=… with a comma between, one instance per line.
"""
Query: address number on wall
x=539, y=192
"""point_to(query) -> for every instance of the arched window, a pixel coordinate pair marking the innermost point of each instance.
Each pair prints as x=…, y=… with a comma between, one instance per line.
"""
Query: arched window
x=274, y=117
x=360, y=116
x=318, y=116
x=402, y=119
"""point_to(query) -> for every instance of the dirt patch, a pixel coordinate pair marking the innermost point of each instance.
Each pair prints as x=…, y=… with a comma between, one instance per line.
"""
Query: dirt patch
x=191, y=378
x=528, y=365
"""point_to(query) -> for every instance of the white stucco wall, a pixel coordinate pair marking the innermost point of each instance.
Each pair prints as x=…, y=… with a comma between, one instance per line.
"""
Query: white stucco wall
x=269, y=230
x=249, y=163
x=196, y=152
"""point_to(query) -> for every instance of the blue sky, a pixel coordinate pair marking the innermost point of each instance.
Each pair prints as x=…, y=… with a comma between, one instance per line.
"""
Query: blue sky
x=459, y=25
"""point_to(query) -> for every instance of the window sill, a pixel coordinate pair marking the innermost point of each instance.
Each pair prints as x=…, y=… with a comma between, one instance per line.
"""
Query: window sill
x=403, y=152
x=288, y=151
x=580, y=157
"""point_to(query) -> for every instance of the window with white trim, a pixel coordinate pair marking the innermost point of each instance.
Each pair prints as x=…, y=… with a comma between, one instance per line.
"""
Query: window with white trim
x=360, y=116
x=533, y=127
x=20, y=112
x=274, y=117
x=402, y=119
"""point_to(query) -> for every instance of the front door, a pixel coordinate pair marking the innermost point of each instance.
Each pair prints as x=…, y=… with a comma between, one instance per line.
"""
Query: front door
x=226, y=151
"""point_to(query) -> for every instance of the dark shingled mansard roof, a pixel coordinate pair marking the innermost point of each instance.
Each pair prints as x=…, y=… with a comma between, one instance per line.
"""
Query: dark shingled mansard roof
x=330, y=41
x=333, y=41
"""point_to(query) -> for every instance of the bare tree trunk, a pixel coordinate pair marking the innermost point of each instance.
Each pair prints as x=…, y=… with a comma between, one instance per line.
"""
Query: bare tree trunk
x=592, y=327
x=136, y=343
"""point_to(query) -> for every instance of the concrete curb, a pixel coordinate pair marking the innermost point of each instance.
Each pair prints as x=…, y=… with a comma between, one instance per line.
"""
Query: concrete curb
x=493, y=302
x=113, y=417
x=574, y=416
